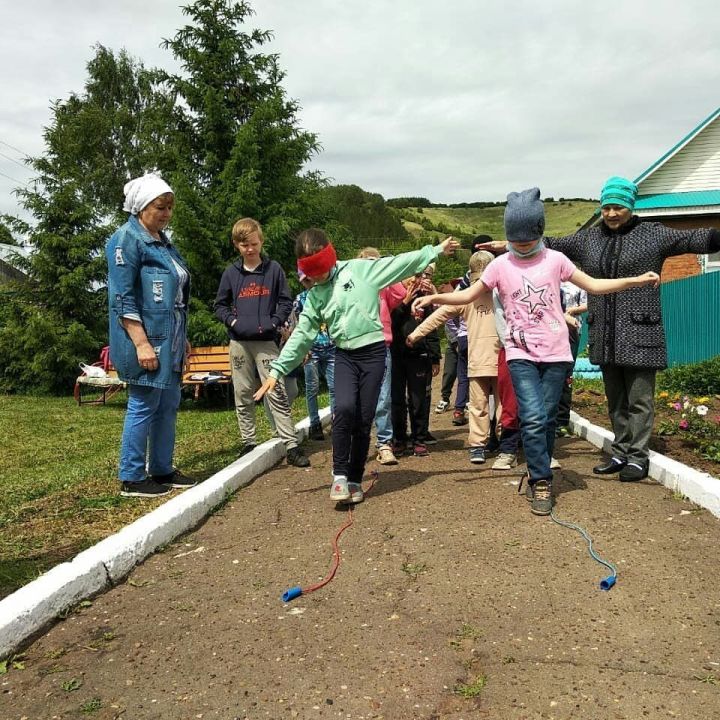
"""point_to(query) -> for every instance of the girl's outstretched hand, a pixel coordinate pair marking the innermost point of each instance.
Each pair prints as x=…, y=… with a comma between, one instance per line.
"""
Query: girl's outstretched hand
x=494, y=246
x=449, y=245
x=421, y=302
x=266, y=387
x=649, y=278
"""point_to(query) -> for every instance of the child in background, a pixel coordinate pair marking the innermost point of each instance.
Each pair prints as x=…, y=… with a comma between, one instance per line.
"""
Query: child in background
x=345, y=297
x=483, y=347
x=450, y=359
x=413, y=369
x=253, y=302
x=538, y=350
x=390, y=297
x=320, y=361
x=574, y=302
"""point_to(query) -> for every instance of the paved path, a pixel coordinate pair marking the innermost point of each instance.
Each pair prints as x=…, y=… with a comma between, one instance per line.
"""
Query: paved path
x=446, y=582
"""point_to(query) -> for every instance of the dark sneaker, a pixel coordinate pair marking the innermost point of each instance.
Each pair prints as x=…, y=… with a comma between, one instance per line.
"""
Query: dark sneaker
x=296, y=457
x=562, y=431
x=316, y=432
x=609, y=468
x=542, y=500
x=145, y=488
x=477, y=454
x=420, y=450
x=247, y=448
x=430, y=440
x=175, y=479
x=356, y=492
x=633, y=472
x=459, y=417
x=400, y=448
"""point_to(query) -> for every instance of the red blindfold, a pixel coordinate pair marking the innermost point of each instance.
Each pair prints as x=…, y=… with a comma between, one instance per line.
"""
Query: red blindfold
x=318, y=264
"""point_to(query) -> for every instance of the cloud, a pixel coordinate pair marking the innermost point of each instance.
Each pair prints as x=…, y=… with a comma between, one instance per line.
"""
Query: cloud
x=458, y=102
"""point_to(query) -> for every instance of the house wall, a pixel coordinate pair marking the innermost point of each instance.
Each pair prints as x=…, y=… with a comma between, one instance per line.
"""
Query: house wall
x=695, y=167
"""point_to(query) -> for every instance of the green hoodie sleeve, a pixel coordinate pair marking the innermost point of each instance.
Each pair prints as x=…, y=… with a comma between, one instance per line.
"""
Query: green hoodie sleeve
x=300, y=342
x=389, y=270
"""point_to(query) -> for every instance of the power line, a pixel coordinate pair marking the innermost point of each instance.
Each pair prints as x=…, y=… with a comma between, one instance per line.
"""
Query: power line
x=15, y=180
x=12, y=147
x=17, y=162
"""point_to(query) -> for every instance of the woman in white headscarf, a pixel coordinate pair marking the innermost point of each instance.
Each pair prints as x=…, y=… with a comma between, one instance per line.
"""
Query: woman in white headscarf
x=148, y=293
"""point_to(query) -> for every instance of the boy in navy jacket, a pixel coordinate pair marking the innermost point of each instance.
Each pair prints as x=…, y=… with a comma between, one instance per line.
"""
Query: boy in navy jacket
x=253, y=302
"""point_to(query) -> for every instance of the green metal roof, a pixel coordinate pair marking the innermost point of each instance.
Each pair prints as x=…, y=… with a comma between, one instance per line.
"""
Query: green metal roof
x=678, y=200
x=643, y=175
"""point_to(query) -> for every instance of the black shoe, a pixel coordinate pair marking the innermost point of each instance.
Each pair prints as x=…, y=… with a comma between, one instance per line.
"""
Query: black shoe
x=493, y=445
x=296, y=457
x=145, y=488
x=247, y=449
x=634, y=472
x=316, y=432
x=175, y=479
x=542, y=499
x=459, y=417
x=430, y=440
x=612, y=466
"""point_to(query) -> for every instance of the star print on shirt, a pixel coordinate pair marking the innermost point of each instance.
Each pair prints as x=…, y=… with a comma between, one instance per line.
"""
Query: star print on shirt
x=534, y=297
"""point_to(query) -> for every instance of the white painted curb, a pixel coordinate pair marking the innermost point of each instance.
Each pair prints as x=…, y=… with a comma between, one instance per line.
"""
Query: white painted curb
x=28, y=610
x=699, y=487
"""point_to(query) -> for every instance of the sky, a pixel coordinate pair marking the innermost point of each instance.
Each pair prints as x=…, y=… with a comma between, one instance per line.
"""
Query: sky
x=456, y=101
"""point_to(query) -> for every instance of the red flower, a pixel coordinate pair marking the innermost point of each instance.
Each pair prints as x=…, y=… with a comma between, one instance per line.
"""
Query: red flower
x=683, y=424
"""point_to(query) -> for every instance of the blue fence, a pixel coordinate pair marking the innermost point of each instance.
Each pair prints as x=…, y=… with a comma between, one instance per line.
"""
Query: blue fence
x=691, y=316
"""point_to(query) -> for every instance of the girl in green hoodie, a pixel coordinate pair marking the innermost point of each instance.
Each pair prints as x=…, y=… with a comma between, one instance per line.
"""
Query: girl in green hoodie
x=345, y=298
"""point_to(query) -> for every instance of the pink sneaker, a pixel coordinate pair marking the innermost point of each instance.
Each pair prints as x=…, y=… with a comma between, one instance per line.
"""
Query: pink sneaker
x=420, y=450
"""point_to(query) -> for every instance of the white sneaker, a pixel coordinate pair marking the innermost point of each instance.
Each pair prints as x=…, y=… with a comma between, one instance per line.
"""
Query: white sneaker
x=505, y=461
x=356, y=492
x=339, y=491
x=442, y=406
x=386, y=456
x=554, y=464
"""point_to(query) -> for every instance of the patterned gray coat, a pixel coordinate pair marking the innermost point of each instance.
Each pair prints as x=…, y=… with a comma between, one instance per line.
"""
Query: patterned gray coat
x=626, y=328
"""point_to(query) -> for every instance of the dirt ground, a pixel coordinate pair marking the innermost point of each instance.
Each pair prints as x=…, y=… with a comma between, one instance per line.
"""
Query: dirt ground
x=451, y=601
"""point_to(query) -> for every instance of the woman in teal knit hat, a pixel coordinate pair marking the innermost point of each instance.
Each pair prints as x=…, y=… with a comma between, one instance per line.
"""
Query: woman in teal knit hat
x=626, y=334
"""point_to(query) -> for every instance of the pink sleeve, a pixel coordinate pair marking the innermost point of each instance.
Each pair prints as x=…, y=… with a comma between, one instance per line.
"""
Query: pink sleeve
x=567, y=268
x=393, y=295
x=489, y=277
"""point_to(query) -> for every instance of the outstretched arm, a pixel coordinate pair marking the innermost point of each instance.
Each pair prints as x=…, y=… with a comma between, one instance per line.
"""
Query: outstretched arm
x=598, y=286
x=464, y=297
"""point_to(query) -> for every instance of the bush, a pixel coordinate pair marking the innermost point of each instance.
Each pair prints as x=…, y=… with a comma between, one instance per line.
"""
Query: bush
x=697, y=379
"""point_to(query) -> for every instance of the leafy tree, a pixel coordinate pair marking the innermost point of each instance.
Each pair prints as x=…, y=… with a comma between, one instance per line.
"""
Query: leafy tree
x=117, y=127
x=243, y=149
x=365, y=215
x=222, y=132
x=6, y=236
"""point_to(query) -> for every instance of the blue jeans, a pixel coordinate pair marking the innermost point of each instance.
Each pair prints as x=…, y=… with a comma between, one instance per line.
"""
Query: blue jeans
x=149, y=431
x=321, y=361
x=538, y=387
x=383, y=411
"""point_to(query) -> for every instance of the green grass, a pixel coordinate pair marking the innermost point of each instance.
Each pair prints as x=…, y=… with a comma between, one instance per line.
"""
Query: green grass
x=561, y=218
x=58, y=465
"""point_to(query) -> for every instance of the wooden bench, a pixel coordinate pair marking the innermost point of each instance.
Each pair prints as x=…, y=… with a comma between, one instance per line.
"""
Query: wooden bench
x=209, y=365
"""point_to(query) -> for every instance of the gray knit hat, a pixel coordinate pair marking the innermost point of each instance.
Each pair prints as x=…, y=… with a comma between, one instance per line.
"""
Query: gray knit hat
x=524, y=216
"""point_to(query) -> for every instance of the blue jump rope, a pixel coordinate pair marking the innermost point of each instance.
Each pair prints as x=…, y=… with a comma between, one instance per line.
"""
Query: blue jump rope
x=610, y=580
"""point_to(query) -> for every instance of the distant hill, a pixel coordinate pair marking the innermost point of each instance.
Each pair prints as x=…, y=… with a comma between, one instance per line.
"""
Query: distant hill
x=561, y=218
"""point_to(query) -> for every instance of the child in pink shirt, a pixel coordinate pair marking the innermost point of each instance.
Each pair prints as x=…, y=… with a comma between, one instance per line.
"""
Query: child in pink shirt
x=538, y=350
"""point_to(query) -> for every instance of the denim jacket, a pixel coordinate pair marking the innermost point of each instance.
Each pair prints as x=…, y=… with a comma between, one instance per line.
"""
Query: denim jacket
x=143, y=281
